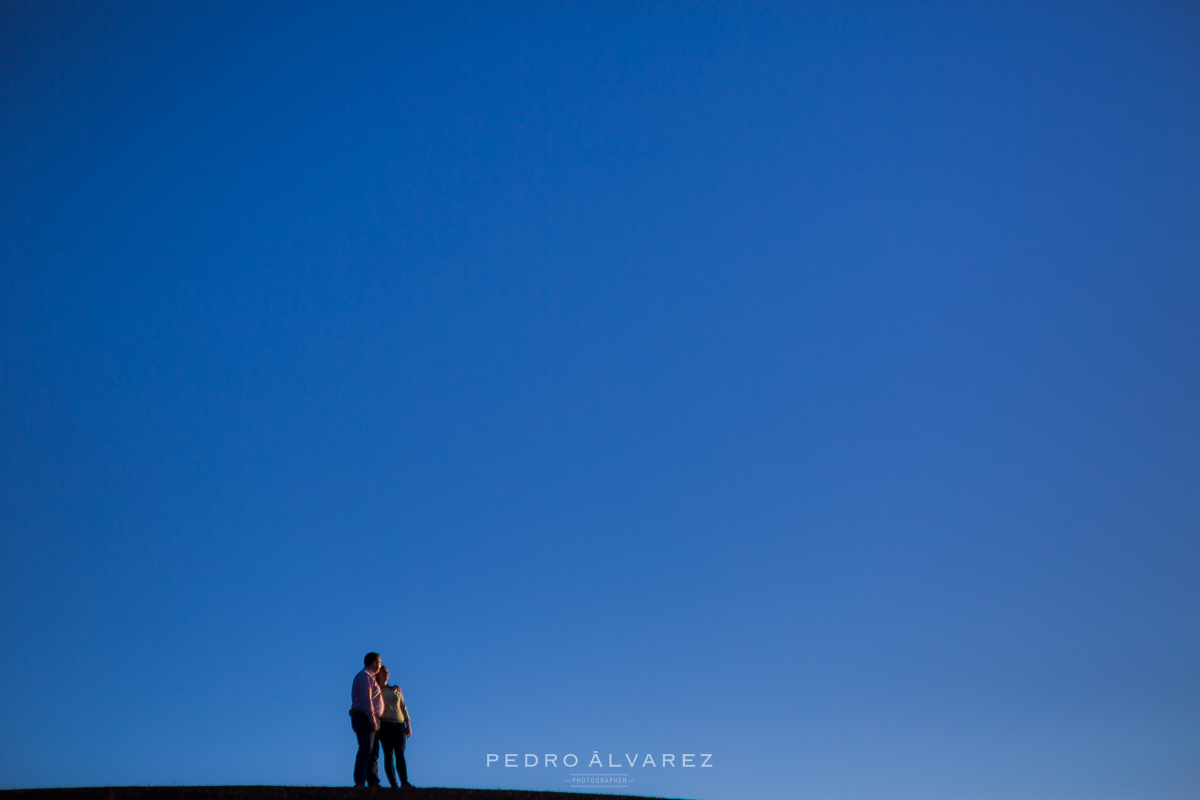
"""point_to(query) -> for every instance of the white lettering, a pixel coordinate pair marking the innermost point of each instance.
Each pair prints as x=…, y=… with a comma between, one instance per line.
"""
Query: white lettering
x=571, y=760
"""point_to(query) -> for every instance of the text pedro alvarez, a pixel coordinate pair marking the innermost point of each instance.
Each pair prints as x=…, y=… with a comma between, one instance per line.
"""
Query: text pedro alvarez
x=570, y=760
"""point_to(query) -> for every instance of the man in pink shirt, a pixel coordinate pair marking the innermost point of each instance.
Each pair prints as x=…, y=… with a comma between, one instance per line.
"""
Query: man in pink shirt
x=366, y=707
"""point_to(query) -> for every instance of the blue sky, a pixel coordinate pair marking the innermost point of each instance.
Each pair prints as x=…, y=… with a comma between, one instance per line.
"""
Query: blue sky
x=815, y=386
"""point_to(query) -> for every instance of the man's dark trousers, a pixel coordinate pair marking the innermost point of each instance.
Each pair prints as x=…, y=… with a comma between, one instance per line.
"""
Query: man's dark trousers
x=366, y=761
x=392, y=736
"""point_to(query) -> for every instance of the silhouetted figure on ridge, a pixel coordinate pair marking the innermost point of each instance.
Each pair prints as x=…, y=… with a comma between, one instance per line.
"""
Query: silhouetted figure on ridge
x=366, y=709
x=394, y=730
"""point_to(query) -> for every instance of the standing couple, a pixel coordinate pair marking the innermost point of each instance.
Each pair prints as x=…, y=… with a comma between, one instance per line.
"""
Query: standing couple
x=378, y=716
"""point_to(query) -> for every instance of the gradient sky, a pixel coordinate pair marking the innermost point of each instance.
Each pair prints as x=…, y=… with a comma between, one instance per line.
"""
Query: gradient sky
x=816, y=386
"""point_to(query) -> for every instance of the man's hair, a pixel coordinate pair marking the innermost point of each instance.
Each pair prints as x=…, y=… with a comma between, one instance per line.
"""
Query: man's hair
x=370, y=658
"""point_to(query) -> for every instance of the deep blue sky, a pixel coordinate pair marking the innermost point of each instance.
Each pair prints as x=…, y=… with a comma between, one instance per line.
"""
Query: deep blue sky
x=817, y=386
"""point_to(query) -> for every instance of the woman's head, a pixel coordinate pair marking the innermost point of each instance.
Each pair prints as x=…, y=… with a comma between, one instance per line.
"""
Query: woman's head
x=382, y=675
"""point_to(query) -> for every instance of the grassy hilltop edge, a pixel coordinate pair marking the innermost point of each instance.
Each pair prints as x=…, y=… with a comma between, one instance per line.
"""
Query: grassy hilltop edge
x=287, y=793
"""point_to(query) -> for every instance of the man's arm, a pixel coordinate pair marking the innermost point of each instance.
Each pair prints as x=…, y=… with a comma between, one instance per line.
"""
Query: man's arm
x=376, y=701
x=363, y=695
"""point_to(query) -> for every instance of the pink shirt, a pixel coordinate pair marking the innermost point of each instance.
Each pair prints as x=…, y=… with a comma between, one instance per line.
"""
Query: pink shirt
x=366, y=697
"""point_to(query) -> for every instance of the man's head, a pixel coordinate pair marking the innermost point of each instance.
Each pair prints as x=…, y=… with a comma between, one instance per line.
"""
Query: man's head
x=372, y=662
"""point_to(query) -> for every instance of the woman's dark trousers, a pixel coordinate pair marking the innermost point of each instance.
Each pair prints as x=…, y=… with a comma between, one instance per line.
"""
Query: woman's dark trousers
x=392, y=736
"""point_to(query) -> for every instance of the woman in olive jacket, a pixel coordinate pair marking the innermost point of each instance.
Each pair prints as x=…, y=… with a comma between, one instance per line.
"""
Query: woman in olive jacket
x=394, y=729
